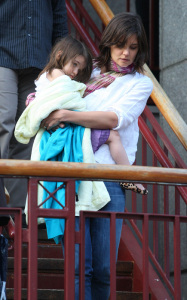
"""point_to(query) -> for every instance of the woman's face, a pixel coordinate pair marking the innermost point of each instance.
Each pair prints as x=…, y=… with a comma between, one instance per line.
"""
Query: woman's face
x=125, y=55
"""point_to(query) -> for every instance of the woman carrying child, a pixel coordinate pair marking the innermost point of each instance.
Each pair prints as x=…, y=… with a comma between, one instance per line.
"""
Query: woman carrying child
x=117, y=96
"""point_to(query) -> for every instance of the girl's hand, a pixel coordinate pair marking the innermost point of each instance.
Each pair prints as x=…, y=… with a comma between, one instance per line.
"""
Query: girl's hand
x=29, y=99
x=61, y=125
x=54, y=120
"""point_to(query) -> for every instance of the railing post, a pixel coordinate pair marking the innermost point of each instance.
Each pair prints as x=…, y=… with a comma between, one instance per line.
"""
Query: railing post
x=155, y=205
x=166, y=232
x=18, y=255
x=144, y=163
x=113, y=256
x=177, y=260
x=69, y=262
x=145, y=257
x=82, y=256
x=32, y=240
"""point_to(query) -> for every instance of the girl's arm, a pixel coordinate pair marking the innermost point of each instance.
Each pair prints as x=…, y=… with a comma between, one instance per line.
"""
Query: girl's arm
x=90, y=119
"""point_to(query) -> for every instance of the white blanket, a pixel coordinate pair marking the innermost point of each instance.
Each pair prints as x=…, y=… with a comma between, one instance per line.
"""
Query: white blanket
x=67, y=94
x=61, y=93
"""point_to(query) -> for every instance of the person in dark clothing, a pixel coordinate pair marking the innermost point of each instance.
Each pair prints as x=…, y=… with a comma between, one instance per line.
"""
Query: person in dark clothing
x=28, y=30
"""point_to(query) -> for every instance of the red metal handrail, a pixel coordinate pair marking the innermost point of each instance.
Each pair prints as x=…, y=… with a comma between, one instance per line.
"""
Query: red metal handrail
x=85, y=18
x=159, y=153
x=145, y=246
x=164, y=138
x=34, y=212
x=81, y=30
x=30, y=236
x=151, y=254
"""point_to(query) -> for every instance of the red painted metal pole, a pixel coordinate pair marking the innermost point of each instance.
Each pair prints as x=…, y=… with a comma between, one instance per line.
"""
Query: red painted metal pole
x=89, y=22
x=84, y=35
x=177, y=202
x=155, y=206
x=32, y=240
x=177, y=259
x=144, y=163
x=161, y=156
x=152, y=256
x=160, y=132
x=145, y=258
x=113, y=256
x=166, y=233
x=159, y=152
x=69, y=263
x=151, y=32
x=82, y=257
x=18, y=255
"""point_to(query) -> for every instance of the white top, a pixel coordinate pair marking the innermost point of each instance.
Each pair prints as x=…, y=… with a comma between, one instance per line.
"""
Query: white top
x=127, y=97
x=42, y=83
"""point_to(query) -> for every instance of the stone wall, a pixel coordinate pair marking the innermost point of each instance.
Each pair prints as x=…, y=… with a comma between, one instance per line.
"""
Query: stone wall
x=173, y=60
x=173, y=78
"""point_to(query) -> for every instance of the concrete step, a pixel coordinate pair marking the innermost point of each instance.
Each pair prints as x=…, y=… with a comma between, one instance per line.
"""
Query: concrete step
x=123, y=268
x=51, y=274
x=59, y=294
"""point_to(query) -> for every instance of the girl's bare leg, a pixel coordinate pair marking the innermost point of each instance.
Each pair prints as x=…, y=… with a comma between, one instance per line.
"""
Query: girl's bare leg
x=119, y=154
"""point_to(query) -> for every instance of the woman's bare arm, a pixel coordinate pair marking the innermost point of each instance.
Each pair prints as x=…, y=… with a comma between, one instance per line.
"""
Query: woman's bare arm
x=90, y=119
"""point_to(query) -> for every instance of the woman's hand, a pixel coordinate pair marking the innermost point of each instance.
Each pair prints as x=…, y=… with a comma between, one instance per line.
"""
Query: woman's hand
x=53, y=121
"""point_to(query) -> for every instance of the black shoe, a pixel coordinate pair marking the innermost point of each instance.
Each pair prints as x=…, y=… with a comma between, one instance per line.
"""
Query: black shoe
x=24, y=224
x=42, y=226
x=4, y=220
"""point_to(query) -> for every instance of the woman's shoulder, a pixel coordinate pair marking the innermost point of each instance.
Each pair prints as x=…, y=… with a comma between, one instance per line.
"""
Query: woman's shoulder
x=143, y=82
x=135, y=78
x=142, y=77
x=136, y=81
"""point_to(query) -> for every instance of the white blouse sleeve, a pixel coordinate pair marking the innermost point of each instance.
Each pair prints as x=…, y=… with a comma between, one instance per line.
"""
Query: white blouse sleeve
x=129, y=103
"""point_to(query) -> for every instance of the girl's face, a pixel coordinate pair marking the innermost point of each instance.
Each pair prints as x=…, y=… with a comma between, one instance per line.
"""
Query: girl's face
x=74, y=65
x=125, y=55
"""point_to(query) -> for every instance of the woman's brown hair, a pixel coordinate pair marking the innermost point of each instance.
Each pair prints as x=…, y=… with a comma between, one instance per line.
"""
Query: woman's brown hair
x=63, y=51
x=119, y=29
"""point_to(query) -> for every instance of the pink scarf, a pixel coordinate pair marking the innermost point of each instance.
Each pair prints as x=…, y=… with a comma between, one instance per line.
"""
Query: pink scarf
x=105, y=79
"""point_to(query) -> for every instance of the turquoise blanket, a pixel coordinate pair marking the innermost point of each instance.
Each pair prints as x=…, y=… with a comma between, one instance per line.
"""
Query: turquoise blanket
x=64, y=145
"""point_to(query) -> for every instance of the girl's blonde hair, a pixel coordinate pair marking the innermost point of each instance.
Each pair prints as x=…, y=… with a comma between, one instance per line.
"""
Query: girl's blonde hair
x=63, y=51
